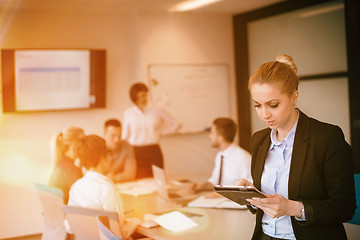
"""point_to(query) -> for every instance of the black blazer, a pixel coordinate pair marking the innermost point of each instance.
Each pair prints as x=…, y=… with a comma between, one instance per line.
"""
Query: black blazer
x=321, y=177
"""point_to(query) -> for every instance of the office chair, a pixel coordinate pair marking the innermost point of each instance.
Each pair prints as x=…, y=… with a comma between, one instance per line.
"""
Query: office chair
x=356, y=217
x=51, y=199
x=104, y=229
x=83, y=222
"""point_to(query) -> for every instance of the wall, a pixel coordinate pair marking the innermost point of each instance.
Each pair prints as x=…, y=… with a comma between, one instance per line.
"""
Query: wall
x=132, y=41
x=294, y=33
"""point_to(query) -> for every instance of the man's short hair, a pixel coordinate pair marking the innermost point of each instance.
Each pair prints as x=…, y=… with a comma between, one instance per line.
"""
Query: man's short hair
x=91, y=151
x=226, y=128
x=112, y=122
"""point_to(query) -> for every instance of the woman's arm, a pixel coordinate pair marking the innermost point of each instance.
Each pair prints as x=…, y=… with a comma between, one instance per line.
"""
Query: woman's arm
x=170, y=124
x=339, y=204
x=338, y=201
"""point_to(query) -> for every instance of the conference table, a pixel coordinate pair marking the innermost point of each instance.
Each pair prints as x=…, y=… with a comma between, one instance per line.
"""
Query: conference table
x=212, y=223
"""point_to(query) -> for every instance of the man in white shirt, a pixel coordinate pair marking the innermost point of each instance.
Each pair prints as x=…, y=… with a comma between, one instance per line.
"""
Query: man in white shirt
x=94, y=190
x=231, y=163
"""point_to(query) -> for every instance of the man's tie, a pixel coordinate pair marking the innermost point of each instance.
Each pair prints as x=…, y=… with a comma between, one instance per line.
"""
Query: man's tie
x=221, y=166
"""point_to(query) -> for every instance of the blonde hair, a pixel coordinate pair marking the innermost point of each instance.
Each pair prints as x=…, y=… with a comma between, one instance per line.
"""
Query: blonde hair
x=281, y=72
x=61, y=142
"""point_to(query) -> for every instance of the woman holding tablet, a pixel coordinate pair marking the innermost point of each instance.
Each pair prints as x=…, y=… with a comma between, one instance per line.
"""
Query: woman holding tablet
x=302, y=165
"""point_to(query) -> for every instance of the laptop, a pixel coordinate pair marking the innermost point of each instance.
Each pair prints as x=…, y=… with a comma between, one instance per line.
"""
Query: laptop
x=160, y=180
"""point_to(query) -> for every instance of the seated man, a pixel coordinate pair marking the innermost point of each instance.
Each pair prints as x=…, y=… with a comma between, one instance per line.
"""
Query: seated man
x=122, y=163
x=95, y=190
x=231, y=163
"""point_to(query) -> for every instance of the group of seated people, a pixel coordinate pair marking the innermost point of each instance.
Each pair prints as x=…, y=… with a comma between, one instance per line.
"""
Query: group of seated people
x=120, y=159
x=88, y=166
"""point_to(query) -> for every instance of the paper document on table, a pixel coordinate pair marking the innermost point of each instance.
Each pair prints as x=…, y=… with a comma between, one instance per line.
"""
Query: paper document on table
x=137, y=191
x=148, y=221
x=137, y=188
x=175, y=221
x=218, y=202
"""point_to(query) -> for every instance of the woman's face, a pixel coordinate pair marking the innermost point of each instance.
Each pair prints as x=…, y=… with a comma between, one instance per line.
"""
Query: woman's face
x=275, y=108
x=141, y=99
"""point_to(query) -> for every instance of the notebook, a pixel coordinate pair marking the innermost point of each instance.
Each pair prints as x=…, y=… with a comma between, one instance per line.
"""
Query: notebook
x=160, y=180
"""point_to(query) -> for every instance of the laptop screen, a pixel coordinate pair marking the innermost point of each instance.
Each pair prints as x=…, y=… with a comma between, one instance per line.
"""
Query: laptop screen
x=159, y=177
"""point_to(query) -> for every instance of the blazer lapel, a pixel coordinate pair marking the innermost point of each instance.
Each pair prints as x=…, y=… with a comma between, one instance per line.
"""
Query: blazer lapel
x=260, y=161
x=298, y=155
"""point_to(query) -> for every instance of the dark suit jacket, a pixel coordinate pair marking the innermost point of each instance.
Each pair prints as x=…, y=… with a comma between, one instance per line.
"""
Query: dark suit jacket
x=321, y=177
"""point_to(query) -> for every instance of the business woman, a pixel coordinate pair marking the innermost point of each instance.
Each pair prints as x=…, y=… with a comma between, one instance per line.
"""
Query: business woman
x=64, y=148
x=144, y=124
x=304, y=166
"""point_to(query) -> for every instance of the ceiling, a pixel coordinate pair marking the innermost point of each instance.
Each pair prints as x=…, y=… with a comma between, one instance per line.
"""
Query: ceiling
x=224, y=6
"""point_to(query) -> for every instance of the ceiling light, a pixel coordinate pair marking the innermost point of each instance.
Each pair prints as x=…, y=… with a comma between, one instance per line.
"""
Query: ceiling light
x=191, y=4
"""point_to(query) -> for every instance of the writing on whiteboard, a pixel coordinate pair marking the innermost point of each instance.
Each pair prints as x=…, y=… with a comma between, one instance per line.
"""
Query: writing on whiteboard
x=194, y=94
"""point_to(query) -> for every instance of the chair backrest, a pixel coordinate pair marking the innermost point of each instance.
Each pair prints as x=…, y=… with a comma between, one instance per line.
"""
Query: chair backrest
x=83, y=221
x=356, y=217
x=51, y=199
x=104, y=229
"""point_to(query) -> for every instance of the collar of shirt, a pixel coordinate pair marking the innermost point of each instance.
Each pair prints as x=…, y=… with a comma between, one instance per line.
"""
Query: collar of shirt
x=149, y=106
x=275, y=180
x=138, y=110
x=227, y=152
x=117, y=150
x=288, y=141
x=96, y=175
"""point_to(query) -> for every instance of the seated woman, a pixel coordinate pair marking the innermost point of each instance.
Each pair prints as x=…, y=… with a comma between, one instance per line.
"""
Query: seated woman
x=64, y=150
x=95, y=190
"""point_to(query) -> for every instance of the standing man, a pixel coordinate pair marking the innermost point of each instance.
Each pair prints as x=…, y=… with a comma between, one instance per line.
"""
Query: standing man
x=122, y=163
x=231, y=163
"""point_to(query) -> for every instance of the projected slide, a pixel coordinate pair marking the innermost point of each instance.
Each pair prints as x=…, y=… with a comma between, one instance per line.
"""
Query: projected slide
x=50, y=80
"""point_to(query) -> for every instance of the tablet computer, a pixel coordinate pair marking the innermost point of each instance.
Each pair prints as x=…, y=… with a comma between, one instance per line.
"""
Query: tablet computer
x=239, y=194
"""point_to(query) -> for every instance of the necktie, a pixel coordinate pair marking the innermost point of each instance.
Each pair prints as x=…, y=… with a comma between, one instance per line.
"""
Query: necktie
x=221, y=166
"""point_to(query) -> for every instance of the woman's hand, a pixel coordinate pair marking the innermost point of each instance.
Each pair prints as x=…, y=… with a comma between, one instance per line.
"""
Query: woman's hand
x=244, y=182
x=276, y=205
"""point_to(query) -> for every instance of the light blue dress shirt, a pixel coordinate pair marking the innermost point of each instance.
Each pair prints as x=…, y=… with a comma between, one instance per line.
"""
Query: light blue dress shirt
x=275, y=179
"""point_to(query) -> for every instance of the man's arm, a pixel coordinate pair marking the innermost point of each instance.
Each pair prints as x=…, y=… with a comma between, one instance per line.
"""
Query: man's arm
x=129, y=170
x=198, y=187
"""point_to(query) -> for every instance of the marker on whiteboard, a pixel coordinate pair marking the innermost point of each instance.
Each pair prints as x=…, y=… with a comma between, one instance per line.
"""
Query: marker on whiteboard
x=154, y=82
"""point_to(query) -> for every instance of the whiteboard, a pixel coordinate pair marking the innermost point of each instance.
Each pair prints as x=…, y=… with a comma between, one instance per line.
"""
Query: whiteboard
x=194, y=94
